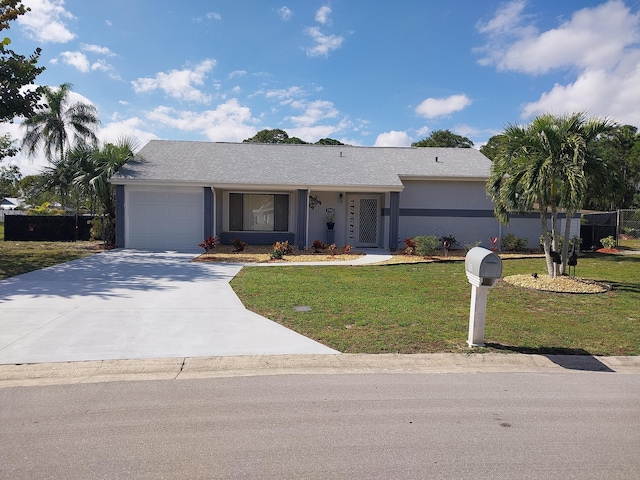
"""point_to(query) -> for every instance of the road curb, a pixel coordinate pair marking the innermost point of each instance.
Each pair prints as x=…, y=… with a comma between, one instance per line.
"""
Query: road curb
x=237, y=366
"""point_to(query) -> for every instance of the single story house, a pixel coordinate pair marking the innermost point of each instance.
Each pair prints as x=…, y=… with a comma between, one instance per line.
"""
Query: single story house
x=177, y=193
x=10, y=203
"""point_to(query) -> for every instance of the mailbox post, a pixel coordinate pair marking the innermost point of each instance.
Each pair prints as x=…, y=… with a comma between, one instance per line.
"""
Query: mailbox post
x=483, y=268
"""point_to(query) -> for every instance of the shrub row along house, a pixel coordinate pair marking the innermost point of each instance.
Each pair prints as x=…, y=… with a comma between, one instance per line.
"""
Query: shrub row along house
x=176, y=193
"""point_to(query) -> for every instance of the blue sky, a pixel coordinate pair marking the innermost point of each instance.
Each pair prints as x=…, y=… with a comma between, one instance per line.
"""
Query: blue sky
x=366, y=72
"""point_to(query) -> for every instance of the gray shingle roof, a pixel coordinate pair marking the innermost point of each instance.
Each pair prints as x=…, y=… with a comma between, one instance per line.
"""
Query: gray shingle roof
x=210, y=163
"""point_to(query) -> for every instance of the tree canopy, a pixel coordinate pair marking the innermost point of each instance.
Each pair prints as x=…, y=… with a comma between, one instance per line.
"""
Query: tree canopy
x=53, y=128
x=544, y=165
x=16, y=71
x=444, y=138
x=280, y=136
x=614, y=181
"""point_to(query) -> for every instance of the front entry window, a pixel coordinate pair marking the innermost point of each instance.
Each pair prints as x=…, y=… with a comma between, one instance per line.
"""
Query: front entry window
x=258, y=212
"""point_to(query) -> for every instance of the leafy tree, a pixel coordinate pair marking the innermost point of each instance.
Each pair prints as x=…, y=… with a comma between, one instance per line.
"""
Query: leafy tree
x=615, y=184
x=93, y=167
x=9, y=181
x=444, y=138
x=492, y=148
x=6, y=147
x=16, y=71
x=52, y=127
x=295, y=141
x=34, y=191
x=59, y=179
x=268, y=136
x=545, y=164
x=328, y=141
x=280, y=136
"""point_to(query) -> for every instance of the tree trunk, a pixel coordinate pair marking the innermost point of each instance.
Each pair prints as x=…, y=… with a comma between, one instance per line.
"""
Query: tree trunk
x=554, y=237
x=565, y=242
x=546, y=241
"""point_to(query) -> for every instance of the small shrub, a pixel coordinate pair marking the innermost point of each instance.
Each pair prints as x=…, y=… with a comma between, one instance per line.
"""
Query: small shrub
x=209, y=244
x=238, y=244
x=276, y=254
x=332, y=249
x=426, y=245
x=449, y=240
x=96, y=228
x=512, y=243
x=409, y=246
x=318, y=245
x=346, y=249
x=280, y=249
x=608, y=242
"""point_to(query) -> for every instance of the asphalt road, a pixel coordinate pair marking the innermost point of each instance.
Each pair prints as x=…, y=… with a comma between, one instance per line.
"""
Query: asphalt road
x=397, y=426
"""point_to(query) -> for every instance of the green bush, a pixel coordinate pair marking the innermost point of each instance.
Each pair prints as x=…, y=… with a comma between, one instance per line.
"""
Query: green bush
x=426, y=245
x=608, y=242
x=511, y=243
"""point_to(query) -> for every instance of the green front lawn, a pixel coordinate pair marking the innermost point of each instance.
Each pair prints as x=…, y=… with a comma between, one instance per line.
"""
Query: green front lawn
x=17, y=258
x=424, y=307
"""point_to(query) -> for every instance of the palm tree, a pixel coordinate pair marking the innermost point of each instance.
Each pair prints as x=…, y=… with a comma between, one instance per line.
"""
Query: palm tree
x=94, y=167
x=53, y=127
x=544, y=165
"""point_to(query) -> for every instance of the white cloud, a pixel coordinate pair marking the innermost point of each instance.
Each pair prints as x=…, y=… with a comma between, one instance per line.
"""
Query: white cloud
x=213, y=16
x=323, y=43
x=393, y=139
x=46, y=21
x=592, y=38
x=285, y=95
x=229, y=122
x=599, y=45
x=597, y=92
x=421, y=132
x=314, y=112
x=130, y=127
x=237, y=73
x=80, y=61
x=285, y=13
x=97, y=49
x=322, y=15
x=438, y=107
x=76, y=59
x=178, y=84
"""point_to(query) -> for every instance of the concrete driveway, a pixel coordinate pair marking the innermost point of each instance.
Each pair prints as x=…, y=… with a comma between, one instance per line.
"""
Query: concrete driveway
x=127, y=304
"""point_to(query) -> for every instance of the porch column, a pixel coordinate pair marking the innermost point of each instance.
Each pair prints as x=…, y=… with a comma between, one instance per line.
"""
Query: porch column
x=394, y=220
x=301, y=218
x=120, y=212
x=208, y=212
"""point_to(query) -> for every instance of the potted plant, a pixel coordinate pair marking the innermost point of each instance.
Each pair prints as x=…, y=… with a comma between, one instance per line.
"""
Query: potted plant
x=331, y=221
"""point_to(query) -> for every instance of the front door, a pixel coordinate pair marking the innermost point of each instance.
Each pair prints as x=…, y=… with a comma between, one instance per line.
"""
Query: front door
x=363, y=220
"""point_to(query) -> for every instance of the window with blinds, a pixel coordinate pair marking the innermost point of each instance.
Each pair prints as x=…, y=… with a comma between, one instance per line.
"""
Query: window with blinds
x=258, y=212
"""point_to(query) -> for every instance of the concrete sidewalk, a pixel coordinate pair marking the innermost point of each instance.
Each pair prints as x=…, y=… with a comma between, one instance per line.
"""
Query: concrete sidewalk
x=126, y=304
x=238, y=366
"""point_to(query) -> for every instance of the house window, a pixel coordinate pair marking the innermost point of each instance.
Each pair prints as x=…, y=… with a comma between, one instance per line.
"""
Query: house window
x=258, y=212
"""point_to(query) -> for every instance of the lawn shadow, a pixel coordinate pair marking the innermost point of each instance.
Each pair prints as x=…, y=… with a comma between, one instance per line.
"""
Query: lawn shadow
x=569, y=358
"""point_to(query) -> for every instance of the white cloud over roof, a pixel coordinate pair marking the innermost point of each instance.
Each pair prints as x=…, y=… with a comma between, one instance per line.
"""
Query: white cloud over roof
x=438, y=107
x=599, y=47
x=180, y=84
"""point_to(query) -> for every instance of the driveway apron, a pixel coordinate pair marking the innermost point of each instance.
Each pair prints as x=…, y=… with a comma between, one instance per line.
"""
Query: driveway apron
x=126, y=304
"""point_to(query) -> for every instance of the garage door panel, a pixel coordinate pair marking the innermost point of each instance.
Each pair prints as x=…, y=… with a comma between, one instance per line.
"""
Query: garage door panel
x=165, y=220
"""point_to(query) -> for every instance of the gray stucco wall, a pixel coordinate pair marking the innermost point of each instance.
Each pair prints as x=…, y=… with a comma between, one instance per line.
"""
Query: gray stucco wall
x=461, y=209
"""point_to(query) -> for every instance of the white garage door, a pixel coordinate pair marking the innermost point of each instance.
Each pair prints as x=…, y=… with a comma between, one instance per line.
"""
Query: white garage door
x=164, y=219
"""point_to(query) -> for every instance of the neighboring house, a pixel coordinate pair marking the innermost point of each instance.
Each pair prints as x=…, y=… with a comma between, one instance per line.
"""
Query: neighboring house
x=9, y=203
x=182, y=192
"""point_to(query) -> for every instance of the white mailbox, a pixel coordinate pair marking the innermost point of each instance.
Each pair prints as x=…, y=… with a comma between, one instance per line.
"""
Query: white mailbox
x=483, y=268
